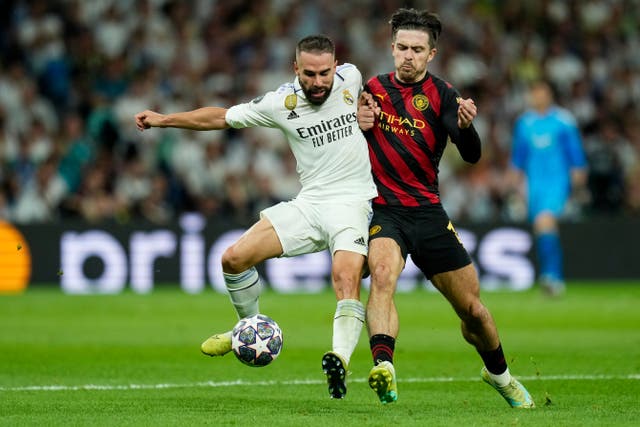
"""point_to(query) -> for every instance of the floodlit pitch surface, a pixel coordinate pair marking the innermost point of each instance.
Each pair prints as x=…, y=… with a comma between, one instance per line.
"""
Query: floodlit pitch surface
x=133, y=360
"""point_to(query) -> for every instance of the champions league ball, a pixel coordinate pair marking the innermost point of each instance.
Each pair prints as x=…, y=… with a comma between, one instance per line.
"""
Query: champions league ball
x=256, y=340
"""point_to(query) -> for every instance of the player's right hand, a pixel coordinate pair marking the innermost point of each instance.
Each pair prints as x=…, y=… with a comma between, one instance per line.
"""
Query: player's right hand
x=368, y=109
x=147, y=119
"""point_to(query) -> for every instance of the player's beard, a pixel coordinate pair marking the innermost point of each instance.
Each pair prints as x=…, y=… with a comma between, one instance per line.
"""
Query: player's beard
x=408, y=73
x=309, y=92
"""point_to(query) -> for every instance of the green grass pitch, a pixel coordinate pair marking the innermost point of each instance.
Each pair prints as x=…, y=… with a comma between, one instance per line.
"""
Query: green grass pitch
x=134, y=360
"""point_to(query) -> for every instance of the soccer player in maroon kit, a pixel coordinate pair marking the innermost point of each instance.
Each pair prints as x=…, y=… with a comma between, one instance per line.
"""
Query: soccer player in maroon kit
x=407, y=119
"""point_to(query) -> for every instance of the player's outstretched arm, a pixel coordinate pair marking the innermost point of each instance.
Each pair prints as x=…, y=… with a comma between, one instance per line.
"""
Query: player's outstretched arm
x=206, y=118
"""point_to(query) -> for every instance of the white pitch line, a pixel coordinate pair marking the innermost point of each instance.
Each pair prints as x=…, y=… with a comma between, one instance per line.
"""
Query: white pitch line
x=243, y=383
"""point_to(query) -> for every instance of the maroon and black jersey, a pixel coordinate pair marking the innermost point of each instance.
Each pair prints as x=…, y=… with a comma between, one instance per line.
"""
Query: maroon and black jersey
x=410, y=135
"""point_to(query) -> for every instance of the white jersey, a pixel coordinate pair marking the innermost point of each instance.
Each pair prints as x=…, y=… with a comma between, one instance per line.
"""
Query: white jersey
x=330, y=150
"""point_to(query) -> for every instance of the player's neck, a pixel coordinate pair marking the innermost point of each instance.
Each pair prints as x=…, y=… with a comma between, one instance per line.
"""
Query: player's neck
x=418, y=79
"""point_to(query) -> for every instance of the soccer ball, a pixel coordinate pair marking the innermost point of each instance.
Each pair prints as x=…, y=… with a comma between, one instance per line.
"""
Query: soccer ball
x=256, y=340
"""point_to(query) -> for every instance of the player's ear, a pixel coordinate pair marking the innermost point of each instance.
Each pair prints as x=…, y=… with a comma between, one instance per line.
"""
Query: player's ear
x=432, y=54
x=295, y=67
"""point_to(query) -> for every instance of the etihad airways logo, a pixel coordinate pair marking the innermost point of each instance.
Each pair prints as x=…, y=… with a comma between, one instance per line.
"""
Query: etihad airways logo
x=400, y=125
x=394, y=120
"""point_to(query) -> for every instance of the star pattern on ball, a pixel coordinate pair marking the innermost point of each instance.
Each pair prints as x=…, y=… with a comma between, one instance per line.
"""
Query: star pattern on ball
x=260, y=346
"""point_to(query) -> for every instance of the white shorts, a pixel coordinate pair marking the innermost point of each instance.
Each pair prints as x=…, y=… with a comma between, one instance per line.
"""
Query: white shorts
x=305, y=227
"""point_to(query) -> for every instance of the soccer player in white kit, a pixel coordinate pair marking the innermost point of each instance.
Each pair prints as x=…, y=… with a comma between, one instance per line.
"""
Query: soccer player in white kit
x=317, y=113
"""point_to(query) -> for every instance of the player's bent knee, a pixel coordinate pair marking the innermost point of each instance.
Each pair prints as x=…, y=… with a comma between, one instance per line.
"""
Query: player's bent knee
x=382, y=272
x=346, y=284
x=545, y=223
x=476, y=312
x=233, y=262
x=382, y=287
x=348, y=279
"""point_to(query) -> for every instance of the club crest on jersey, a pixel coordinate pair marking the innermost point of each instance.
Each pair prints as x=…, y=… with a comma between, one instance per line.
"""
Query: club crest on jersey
x=374, y=230
x=420, y=102
x=291, y=101
x=348, y=98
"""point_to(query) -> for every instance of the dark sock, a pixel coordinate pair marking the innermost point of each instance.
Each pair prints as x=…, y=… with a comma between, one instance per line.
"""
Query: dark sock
x=382, y=348
x=494, y=360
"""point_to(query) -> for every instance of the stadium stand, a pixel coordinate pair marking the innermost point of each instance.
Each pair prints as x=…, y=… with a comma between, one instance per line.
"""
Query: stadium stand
x=73, y=73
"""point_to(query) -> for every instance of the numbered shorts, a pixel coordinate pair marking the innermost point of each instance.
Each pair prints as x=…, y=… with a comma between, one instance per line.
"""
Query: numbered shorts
x=425, y=232
x=304, y=227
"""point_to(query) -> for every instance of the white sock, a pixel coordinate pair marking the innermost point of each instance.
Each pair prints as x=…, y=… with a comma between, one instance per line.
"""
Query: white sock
x=244, y=289
x=501, y=379
x=347, y=326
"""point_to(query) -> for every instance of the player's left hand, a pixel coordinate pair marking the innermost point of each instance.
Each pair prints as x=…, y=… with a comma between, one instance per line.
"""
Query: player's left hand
x=467, y=111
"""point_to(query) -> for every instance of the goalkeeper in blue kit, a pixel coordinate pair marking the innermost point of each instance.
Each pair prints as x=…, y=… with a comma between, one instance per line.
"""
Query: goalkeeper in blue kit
x=548, y=157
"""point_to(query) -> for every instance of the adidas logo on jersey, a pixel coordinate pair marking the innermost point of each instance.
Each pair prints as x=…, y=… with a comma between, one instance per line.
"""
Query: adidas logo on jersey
x=292, y=115
x=360, y=241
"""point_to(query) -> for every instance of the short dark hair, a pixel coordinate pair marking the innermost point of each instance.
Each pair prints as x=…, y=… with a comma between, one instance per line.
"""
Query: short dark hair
x=318, y=43
x=412, y=19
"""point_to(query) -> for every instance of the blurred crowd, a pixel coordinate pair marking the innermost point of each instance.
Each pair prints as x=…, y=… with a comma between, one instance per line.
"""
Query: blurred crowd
x=73, y=73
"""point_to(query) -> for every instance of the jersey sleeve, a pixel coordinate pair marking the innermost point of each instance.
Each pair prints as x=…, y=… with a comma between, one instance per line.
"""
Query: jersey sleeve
x=466, y=140
x=350, y=74
x=367, y=84
x=449, y=111
x=258, y=112
x=573, y=146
